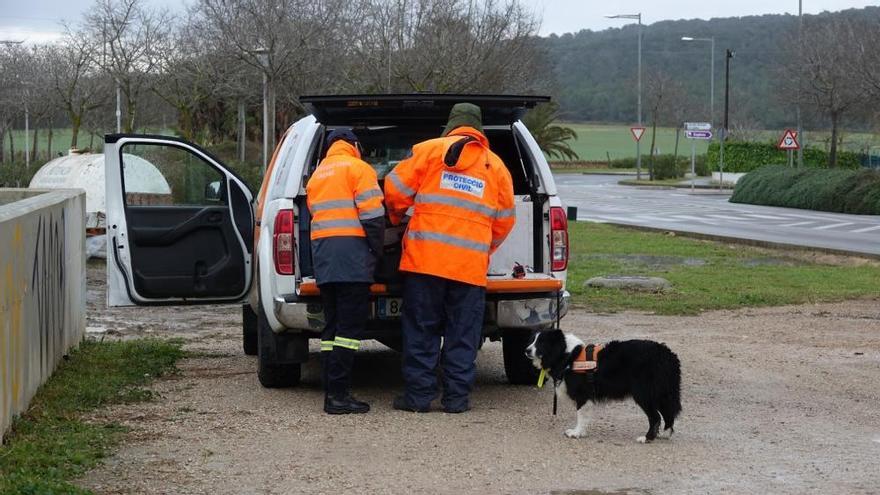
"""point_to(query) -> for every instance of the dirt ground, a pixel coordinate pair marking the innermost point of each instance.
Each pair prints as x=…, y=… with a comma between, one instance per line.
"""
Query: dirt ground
x=776, y=400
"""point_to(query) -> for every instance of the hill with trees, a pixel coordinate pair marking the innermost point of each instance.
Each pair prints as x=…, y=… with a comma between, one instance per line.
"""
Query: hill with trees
x=595, y=72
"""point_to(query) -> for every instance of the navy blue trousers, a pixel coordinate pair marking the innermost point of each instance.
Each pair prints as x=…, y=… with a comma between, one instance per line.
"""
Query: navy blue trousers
x=346, y=310
x=435, y=307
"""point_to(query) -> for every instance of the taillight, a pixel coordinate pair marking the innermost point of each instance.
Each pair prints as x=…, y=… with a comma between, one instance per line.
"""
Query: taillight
x=283, y=242
x=558, y=239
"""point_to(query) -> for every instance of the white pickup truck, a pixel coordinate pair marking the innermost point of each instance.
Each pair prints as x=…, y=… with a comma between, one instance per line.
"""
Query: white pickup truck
x=210, y=242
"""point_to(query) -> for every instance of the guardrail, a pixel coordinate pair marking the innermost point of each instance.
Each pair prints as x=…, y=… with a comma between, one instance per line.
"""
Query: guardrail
x=42, y=289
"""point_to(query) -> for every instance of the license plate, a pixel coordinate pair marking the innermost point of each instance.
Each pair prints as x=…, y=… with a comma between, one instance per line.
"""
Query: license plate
x=388, y=307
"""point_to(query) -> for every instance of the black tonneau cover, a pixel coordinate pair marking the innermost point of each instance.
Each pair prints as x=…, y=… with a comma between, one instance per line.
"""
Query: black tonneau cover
x=421, y=109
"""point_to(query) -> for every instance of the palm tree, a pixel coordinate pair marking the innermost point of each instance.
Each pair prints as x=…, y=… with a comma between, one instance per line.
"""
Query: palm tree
x=553, y=139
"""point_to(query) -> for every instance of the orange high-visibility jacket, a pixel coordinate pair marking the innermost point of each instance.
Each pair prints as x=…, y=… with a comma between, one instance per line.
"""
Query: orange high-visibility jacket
x=342, y=192
x=462, y=196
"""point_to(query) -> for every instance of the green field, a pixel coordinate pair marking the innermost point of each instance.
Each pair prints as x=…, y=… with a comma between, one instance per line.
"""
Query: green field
x=707, y=275
x=595, y=140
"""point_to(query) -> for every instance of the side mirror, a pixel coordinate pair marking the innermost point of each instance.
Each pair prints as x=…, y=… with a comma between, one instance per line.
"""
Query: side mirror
x=212, y=191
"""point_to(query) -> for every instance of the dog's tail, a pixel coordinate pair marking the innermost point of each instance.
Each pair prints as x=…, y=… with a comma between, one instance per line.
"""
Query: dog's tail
x=673, y=398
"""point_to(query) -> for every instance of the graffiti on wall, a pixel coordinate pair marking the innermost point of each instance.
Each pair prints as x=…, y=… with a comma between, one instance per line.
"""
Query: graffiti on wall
x=42, y=305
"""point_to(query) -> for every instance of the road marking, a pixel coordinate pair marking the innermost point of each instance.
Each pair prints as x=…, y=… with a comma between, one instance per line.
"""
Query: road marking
x=693, y=219
x=796, y=224
x=833, y=225
x=766, y=217
x=730, y=217
x=866, y=229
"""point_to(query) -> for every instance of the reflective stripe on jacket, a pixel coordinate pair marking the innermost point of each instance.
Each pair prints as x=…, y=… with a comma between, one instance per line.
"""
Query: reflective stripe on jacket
x=348, y=224
x=463, y=206
x=342, y=193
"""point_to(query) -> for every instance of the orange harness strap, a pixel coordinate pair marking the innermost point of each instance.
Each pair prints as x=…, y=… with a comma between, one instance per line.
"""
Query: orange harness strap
x=583, y=365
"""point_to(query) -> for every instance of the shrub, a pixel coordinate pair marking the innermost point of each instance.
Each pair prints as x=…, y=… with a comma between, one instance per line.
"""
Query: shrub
x=836, y=190
x=742, y=156
x=16, y=175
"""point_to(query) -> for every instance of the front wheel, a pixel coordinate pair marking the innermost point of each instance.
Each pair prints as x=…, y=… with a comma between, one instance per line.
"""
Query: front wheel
x=519, y=368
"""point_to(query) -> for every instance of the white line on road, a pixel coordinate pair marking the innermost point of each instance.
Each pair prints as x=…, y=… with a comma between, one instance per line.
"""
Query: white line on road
x=766, y=217
x=796, y=224
x=833, y=225
x=694, y=219
x=730, y=217
x=866, y=229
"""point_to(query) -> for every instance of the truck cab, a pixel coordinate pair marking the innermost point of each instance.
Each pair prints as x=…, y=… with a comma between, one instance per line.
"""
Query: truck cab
x=210, y=241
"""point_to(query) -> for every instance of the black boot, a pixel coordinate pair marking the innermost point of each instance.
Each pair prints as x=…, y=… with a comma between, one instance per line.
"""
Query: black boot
x=344, y=404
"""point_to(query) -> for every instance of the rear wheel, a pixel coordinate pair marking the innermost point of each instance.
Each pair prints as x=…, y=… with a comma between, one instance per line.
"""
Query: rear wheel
x=273, y=374
x=248, y=330
x=517, y=366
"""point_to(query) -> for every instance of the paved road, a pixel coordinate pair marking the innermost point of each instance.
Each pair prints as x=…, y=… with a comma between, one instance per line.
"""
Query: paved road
x=600, y=199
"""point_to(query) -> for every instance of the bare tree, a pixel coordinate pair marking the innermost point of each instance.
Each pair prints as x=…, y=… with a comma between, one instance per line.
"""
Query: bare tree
x=664, y=96
x=830, y=45
x=74, y=76
x=128, y=38
x=452, y=45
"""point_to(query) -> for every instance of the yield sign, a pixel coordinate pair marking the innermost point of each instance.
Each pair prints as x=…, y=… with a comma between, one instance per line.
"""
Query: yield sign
x=789, y=141
x=637, y=132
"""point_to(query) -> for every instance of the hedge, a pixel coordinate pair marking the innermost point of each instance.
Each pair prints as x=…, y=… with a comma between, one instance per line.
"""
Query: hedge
x=741, y=156
x=663, y=165
x=835, y=190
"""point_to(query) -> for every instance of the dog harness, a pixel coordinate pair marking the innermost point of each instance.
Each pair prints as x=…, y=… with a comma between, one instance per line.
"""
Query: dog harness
x=582, y=364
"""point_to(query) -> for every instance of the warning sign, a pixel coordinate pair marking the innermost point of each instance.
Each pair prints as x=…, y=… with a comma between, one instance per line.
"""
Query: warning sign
x=637, y=132
x=789, y=141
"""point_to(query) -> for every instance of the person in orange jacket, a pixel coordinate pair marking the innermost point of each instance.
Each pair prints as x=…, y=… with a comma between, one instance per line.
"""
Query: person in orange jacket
x=463, y=208
x=347, y=232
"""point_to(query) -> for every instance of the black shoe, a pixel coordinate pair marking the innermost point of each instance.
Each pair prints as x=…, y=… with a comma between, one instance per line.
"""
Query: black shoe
x=401, y=404
x=344, y=405
x=456, y=410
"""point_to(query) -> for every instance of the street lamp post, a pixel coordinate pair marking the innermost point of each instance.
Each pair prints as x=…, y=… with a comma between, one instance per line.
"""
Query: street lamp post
x=711, y=75
x=800, y=129
x=727, y=56
x=637, y=17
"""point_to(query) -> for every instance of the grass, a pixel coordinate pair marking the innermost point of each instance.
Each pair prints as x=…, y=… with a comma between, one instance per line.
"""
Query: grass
x=51, y=444
x=731, y=276
x=595, y=140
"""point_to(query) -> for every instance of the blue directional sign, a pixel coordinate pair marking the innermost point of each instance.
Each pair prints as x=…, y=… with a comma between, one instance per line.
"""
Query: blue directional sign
x=698, y=134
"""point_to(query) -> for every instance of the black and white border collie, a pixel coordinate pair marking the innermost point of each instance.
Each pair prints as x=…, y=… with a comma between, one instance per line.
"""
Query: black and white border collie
x=647, y=371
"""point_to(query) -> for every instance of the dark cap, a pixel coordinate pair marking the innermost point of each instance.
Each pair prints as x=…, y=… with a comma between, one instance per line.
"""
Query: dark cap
x=343, y=133
x=464, y=114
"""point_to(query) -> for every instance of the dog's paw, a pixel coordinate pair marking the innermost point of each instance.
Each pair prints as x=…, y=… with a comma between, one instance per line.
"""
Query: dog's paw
x=642, y=439
x=574, y=433
x=665, y=434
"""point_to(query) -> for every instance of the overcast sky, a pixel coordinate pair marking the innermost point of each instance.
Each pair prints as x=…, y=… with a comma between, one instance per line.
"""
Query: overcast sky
x=37, y=20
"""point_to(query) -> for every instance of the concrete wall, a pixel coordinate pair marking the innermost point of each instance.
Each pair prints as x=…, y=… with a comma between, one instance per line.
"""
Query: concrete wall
x=42, y=289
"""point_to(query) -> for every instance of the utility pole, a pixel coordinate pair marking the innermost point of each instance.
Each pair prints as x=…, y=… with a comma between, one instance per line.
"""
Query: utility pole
x=727, y=56
x=637, y=17
x=800, y=127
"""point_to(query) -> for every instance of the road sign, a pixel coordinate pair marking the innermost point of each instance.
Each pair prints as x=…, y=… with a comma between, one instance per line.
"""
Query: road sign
x=698, y=134
x=637, y=132
x=789, y=141
x=697, y=126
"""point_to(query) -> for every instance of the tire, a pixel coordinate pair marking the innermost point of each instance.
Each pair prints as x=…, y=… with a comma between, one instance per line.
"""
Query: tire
x=248, y=330
x=517, y=366
x=272, y=374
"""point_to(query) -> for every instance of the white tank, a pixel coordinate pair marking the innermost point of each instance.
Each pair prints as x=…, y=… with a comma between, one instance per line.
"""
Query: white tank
x=86, y=171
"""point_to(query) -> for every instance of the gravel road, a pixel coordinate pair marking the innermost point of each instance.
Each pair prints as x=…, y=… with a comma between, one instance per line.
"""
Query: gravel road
x=776, y=400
